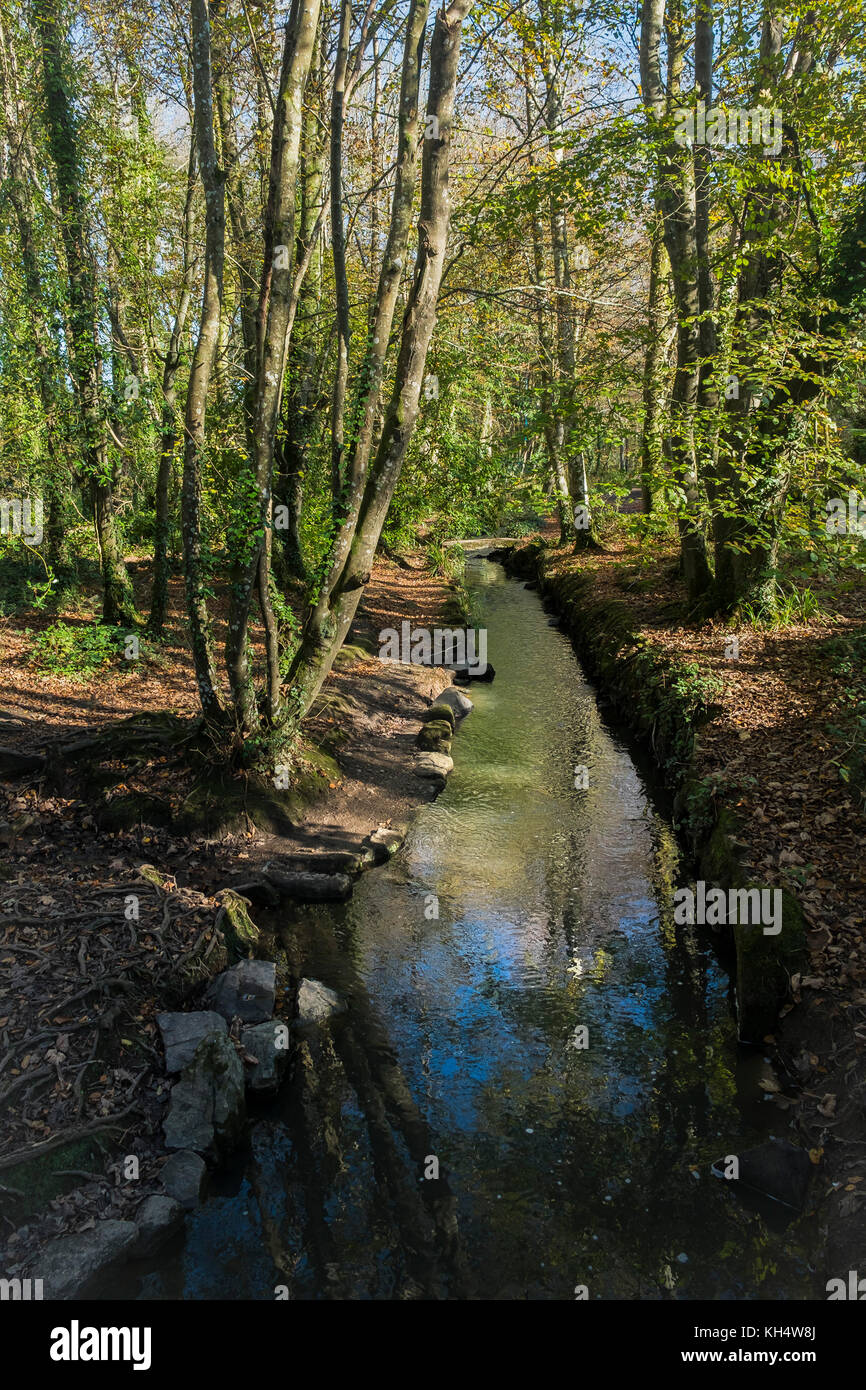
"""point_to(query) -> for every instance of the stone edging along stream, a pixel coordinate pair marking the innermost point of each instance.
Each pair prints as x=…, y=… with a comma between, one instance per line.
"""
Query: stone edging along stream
x=662, y=705
x=238, y=1037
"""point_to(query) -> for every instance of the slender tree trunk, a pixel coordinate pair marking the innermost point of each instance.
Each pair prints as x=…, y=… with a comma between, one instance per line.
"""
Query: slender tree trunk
x=675, y=197
x=202, y=367
x=327, y=628
x=168, y=441
x=85, y=354
x=277, y=303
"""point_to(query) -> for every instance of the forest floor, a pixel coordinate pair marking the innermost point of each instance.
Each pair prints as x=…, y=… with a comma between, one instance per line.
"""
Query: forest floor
x=786, y=727
x=80, y=1056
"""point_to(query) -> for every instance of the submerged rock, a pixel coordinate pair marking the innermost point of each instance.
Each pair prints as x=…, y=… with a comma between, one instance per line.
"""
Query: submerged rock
x=184, y=1178
x=70, y=1265
x=317, y=1003
x=778, y=1168
x=456, y=700
x=182, y=1033
x=206, y=1111
x=464, y=674
x=267, y=1043
x=247, y=991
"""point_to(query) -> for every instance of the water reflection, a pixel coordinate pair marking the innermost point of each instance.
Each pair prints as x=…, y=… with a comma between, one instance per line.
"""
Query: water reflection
x=564, y=1053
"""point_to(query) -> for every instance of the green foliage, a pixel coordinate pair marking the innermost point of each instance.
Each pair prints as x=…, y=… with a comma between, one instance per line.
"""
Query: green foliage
x=77, y=650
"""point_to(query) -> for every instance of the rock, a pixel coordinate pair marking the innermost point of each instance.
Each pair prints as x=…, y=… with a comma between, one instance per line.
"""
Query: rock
x=309, y=888
x=184, y=1178
x=433, y=767
x=384, y=843
x=317, y=1003
x=337, y=861
x=207, y=1110
x=158, y=1219
x=439, y=710
x=464, y=674
x=70, y=1265
x=265, y=1042
x=246, y=991
x=435, y=737
x=778, y=1169
x=182, y=1033
x=456, y=700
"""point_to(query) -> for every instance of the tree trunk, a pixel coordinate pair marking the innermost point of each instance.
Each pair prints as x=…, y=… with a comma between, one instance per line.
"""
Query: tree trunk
x=85, y=353
x=328, y=625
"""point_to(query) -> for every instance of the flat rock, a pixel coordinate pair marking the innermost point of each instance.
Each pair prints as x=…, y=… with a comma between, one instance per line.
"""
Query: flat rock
x=308, y=887
x=207, y=1109
x=184, y=1178
x=246, y=991
x=68, y=1266
x=433, y=767
x=267, y=1043
x=182, y=1033
x=158, y=1219
x=317, y=1003
x=455, y=699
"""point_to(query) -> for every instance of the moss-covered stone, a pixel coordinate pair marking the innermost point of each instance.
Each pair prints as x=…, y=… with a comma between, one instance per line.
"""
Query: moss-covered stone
x=435, y=737
x=439, y=712
x=765, y=965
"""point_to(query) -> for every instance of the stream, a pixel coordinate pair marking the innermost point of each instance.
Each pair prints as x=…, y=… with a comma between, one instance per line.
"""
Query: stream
x=536, y=1070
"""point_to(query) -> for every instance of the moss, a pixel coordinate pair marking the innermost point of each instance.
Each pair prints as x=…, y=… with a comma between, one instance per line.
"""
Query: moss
x=32, y=1185
x=435, y=737
x=241, y=935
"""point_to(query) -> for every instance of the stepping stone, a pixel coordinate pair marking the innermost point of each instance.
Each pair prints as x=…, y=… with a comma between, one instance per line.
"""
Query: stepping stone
x=182, y=1033
x=70, y=1265
x=247, y=991
x=158, y=1219
x=433, y=767
x=207, y=1108
x=184, y=1178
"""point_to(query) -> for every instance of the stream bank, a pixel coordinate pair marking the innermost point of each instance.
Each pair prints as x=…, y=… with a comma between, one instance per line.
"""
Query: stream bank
x=535, y=1070
x=667, y=700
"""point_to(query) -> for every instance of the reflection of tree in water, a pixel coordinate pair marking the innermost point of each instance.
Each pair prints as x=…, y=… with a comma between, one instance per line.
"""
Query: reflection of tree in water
x=414, y=1220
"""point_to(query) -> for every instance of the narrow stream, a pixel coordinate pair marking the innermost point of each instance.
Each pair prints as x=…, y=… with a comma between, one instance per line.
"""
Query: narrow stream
x=523, y=1014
